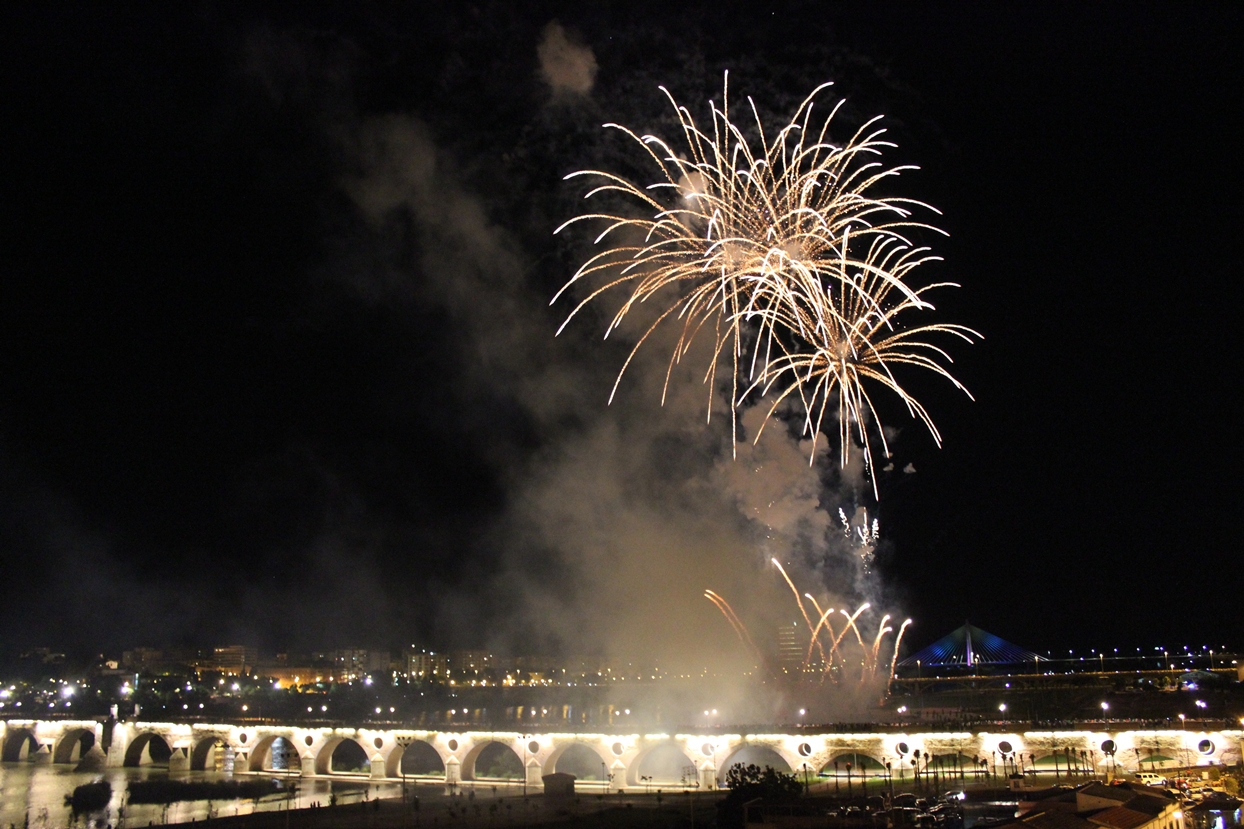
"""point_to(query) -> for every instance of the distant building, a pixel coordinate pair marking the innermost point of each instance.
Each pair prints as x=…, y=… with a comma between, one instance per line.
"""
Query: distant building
x=234, y=660
x=45, y=656
x=355, y=663
x=292, y=675
x=426, y=666
x=790, y=651
x=142, y=660
x=469, y=664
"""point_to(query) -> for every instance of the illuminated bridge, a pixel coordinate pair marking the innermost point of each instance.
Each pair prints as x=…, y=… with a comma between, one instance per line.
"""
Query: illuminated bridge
x=614, y=761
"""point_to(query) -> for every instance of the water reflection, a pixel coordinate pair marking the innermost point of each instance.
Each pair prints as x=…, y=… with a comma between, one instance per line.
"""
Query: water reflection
x=33, y=797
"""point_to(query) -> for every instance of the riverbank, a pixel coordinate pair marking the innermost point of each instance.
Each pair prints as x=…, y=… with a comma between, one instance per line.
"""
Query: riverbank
x=463, y=812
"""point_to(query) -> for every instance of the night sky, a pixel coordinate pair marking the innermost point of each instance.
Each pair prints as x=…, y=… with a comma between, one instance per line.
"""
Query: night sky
x=277, y=363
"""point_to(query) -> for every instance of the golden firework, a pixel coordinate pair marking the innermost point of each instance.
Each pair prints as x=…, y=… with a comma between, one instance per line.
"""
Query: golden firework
x=779, y=245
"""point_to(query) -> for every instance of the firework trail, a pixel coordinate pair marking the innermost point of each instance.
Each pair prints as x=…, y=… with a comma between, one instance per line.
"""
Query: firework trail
x=798, y=599
x=898, y=640
x=777, y=246
x=822, y=622
x=740, y=629
x=830, y=651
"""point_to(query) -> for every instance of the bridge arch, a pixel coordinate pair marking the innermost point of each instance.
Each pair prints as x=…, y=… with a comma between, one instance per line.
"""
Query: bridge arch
x=749, y=754
x=351, y=751
x=862, y=765
x=417, y=758
x=584, y=760
x=661, y=764
x=205, y=752
x=73, y=744
x=275, y=752
x=492, y=760
x=148, y=749
x=19, y=744
x=1060, y=761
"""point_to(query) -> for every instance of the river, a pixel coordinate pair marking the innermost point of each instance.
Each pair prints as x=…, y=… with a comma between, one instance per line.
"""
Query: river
x=32, y=796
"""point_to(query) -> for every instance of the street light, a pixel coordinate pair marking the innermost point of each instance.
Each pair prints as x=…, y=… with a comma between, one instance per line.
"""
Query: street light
x=526, y=738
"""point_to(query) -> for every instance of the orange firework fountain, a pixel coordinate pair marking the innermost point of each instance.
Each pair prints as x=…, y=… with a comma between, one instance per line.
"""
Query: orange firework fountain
x=831, y=658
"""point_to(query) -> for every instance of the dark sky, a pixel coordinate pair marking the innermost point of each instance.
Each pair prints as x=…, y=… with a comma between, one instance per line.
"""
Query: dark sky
x=276, y=362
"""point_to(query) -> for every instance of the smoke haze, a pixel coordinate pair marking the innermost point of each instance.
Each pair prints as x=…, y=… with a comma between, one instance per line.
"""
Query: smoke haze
x=617, y=525
x=566, y=65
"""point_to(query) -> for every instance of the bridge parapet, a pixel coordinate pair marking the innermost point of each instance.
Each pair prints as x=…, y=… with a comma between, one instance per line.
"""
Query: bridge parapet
x=617, y=762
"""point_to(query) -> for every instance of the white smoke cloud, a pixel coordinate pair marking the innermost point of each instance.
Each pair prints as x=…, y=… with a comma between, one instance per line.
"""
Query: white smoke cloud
x=616, y=527
x=566, y=65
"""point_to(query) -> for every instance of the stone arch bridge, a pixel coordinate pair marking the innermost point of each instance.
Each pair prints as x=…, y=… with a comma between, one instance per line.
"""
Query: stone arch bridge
x=613, y=761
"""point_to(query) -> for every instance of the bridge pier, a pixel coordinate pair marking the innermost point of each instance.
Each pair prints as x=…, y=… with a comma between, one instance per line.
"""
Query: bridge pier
x=535, y=773
x=453, y=771
x=308, y=765
x=179, y=760
x=377, y=766
x=618, y=774
x=708, y=776
x=117, y=745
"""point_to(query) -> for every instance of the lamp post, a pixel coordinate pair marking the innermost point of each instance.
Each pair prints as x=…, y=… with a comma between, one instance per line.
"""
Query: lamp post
x=526, y=739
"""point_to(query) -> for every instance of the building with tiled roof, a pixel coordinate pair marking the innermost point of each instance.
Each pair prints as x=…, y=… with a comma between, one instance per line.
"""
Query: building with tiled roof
x=1098, y=806
x=1101, y=796
x=1120, y=817
x=1055, y=819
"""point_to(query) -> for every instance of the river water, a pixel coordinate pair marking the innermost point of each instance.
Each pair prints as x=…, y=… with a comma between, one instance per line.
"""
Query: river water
x=33, y=796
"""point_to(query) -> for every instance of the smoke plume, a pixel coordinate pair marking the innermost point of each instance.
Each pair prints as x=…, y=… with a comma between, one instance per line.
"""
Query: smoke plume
x=566, y=65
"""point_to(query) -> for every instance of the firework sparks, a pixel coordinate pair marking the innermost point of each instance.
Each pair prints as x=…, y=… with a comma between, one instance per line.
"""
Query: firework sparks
x=863, y=537
x=780, y=248
x=822, y=639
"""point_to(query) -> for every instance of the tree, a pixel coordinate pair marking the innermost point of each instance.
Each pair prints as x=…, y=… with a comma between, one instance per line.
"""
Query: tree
x=749, y=783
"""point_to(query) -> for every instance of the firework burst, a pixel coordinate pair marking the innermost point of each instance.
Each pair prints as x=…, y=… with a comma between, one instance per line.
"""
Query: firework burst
x=778, y=247
x=827, y=658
